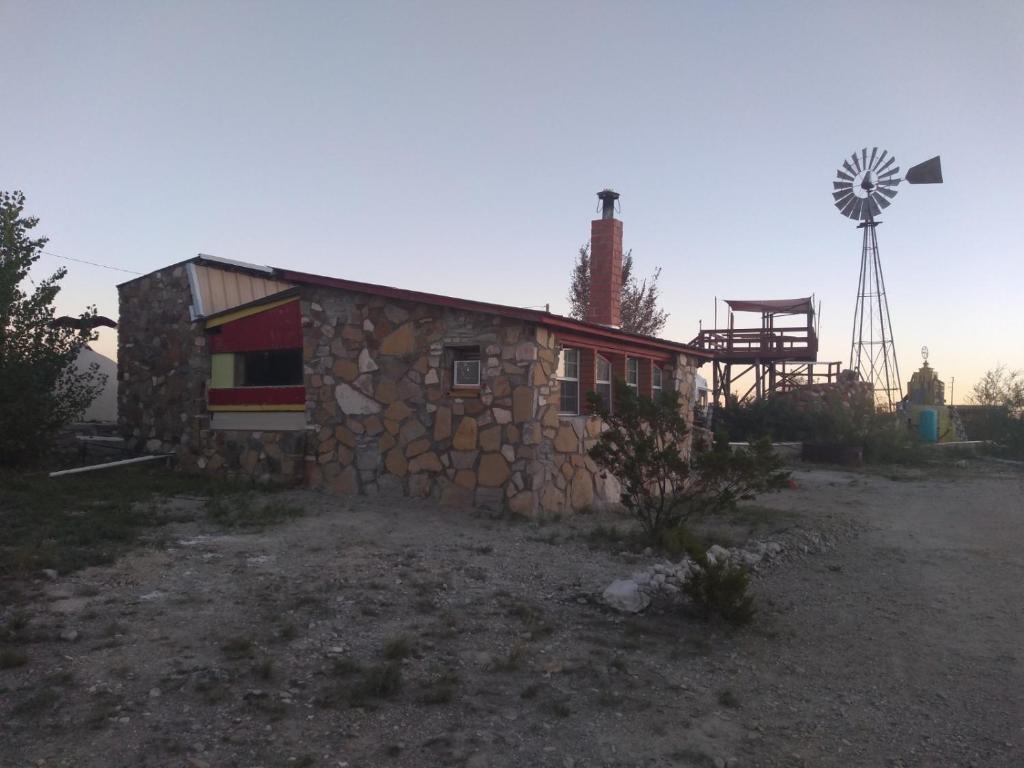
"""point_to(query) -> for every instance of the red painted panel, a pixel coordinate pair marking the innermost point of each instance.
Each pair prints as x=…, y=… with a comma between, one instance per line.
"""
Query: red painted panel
x=258, y=396
x=277, y=328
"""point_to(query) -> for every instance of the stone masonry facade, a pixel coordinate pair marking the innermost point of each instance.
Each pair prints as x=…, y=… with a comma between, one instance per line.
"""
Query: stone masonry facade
x=382, y=414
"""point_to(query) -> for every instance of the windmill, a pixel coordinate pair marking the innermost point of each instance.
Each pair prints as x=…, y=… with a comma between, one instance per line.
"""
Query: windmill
x=865, y=185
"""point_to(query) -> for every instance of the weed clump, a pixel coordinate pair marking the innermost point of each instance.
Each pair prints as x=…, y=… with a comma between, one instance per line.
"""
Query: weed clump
x=250, y=510
x=10, y=658
x=383, y=681
x=397, y=648
x=718, y=588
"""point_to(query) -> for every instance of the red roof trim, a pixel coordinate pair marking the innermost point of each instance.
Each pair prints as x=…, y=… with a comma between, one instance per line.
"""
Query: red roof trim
x=556, y=322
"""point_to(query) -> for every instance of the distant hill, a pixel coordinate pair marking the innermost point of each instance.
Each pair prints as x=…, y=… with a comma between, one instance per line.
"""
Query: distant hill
x=104, y=407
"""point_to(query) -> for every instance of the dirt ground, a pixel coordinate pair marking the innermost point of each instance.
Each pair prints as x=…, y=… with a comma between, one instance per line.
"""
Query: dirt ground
x=373, y=633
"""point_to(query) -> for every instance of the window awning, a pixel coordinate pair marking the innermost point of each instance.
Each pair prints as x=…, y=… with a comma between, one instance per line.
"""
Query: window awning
x=775, y=306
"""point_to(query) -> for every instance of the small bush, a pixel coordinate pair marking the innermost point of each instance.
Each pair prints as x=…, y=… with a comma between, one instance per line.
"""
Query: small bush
x=397, y=648
x=237, y=648
x=250, y=510
x=720, y=589
x=9, y=659
x=380, y=682
x=644, y=446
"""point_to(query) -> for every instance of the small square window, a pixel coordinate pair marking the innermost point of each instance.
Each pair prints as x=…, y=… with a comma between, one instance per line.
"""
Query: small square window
x=467, y=373
x=465, y=366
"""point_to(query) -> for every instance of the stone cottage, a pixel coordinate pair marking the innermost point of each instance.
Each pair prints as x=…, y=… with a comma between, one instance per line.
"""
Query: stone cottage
x=285, y=376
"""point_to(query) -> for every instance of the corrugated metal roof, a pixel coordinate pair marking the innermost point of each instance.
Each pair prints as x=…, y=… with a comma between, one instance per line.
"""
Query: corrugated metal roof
x=222, y=289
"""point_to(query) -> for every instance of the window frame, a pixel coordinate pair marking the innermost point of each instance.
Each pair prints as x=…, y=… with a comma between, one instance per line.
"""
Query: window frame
x=468, y=353
x=600, y=383
x=657, y=380
x=564, y=378
x=633, y=371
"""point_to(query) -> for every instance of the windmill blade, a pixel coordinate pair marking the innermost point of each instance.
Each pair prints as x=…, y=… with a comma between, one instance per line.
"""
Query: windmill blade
x=928, y=172
x=849, y=168
x=841, y=194
x=842, y=202
x=874, y=151
x=882, y=202
x=847, y=210
x=845, y=176
x=882, y=179
x=881, y=159
x=842, y=185
x=858, y=208
x=881, y=168
x=856, y=162
x=890, y=193
x=864, y=157
x=875, y=210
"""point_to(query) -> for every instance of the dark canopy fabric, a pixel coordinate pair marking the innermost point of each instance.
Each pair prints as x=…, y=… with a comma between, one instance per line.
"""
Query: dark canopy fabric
x=780, y=306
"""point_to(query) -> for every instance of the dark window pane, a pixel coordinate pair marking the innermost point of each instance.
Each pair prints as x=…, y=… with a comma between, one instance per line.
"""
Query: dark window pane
x=271, y=368
x=570, y=402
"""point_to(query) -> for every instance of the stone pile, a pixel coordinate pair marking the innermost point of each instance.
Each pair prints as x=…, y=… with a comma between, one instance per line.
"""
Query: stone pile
x=665, y=580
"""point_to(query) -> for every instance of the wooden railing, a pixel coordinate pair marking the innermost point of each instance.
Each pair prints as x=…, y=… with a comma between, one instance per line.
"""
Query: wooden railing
x=758, y=342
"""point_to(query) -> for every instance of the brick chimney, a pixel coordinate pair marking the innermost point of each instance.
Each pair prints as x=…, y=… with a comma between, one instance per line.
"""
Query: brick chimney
x=606, y=263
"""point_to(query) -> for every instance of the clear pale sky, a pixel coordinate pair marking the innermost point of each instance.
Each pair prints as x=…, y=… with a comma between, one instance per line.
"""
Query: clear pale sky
x=456, y=148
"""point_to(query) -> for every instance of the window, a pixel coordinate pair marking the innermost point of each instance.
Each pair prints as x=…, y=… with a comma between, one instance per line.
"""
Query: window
x=465, y=366
x=655, y=381
x=603, y=381
x=256, y=365
x=269, y=368
x=569, y=378
x=633, y=374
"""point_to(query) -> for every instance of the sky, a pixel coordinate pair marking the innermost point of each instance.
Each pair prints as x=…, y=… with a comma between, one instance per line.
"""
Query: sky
x=456, y=148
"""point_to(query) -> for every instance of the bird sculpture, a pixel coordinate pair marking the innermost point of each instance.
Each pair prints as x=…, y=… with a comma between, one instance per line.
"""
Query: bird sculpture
x=83, y=323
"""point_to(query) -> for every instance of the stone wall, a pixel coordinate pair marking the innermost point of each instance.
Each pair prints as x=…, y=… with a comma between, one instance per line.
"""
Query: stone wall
x=162, y=363
x=163, y=371
x=383, y=417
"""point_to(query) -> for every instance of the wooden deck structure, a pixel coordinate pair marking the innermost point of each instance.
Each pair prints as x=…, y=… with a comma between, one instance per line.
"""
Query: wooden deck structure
x=781, y=353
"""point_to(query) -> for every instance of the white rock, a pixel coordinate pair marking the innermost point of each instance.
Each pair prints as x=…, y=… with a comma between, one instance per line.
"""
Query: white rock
x=625, y=595
x=366, y=363
x=353, y=402
x=717, y=554
x=431, y=377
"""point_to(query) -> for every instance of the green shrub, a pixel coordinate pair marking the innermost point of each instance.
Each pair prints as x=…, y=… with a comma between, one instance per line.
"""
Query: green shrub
x=719, y=589
x=644, y=446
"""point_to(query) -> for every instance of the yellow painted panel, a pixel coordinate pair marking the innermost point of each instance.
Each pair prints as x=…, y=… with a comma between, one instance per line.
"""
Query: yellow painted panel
x=239, y=314
x=223, y=373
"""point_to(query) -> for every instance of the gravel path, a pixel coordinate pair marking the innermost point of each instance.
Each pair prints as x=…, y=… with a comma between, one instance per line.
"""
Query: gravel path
x=372, y=633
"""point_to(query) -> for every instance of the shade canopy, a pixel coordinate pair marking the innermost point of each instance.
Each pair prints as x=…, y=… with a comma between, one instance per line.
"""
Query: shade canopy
x=774, y=306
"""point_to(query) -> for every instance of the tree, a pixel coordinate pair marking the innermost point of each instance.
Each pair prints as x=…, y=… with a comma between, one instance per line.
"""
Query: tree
x=40, y=389
x=639, y=302
x=1000, y=387
x=662, y=487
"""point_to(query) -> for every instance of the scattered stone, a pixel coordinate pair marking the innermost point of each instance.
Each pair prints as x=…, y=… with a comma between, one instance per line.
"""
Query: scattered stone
x=50, y=574
x=69, y=635
x=625, y=595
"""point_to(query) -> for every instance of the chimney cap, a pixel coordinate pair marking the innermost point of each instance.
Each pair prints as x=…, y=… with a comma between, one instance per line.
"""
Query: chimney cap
x=608, y=198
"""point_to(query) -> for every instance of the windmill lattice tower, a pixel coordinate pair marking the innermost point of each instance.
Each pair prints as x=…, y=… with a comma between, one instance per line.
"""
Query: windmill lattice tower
x=865, y=185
